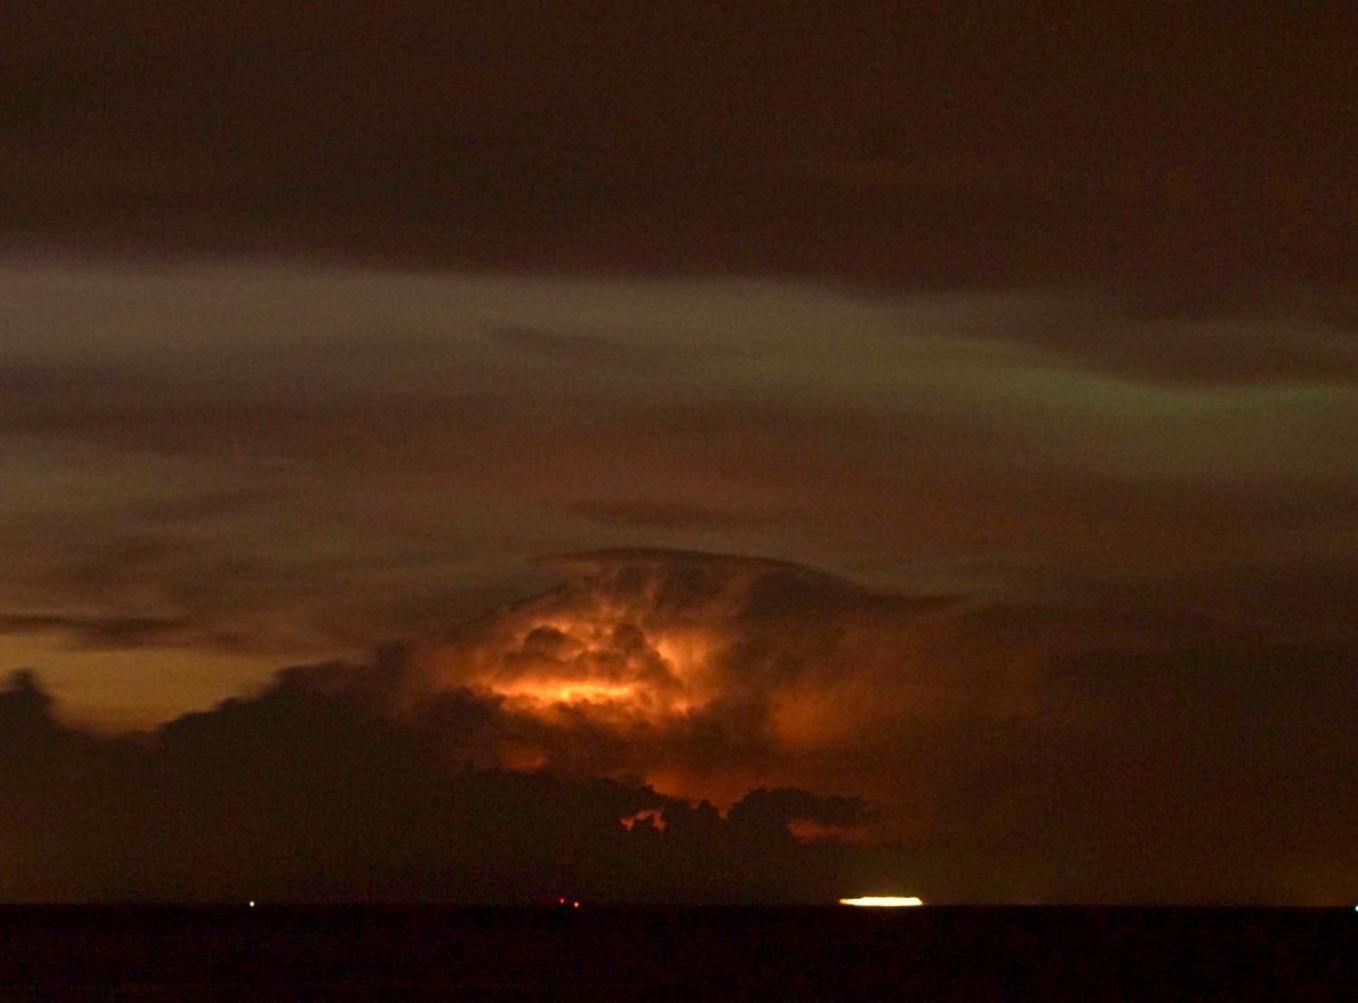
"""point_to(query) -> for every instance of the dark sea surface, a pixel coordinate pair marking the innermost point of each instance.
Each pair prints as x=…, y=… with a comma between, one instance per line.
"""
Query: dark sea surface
x=931, y=953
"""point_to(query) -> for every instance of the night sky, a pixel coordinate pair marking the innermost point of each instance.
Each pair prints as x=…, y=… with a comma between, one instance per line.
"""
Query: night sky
x=678, y=451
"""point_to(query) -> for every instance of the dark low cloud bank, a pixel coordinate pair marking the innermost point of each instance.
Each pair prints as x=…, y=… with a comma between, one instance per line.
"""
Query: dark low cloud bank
x=855, y=742
x=300, y=795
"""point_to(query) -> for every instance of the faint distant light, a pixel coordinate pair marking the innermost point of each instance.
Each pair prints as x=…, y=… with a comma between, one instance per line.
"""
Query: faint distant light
x=561, y=901
x=575, y=905
x=884, y=901
x=252, y=903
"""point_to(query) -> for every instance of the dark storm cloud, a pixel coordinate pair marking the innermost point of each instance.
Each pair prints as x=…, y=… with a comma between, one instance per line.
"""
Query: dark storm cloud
x=987, y=735
x=294, y=795
x=974, y=747
x=774, y=809
x=877, y=143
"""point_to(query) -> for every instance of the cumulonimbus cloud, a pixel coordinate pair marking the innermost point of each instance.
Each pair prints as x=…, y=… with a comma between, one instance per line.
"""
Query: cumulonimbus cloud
x=677, y=725
x=704, y=676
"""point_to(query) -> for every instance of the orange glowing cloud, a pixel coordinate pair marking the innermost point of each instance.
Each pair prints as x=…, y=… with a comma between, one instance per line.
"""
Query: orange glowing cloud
x=707, y=676
x=598, y=646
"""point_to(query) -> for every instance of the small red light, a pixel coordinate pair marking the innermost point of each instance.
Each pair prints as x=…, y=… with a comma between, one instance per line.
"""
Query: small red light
x=575, y=905
x=561, y=901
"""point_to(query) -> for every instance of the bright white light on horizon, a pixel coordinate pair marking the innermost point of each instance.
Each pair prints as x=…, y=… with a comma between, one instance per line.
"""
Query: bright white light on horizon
x=884, y=901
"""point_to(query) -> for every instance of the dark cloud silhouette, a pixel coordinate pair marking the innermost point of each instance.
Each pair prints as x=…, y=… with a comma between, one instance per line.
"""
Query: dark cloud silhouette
x=296, y=794
x=764, y=809
x=683, y=726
